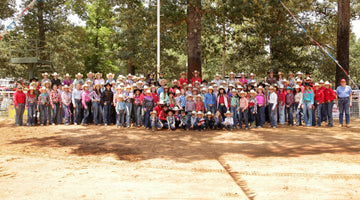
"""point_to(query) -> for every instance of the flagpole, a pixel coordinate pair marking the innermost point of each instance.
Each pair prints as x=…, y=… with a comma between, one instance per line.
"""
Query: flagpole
x=158, y=37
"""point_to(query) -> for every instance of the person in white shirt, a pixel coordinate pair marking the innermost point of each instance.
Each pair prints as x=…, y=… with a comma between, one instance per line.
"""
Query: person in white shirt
x=217, y=80
x=272, y=106
x=228, y=122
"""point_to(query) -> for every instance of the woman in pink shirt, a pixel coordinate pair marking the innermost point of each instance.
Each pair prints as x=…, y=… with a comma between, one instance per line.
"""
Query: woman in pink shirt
x=243, y=80
x=86, y=102
x=261, y=104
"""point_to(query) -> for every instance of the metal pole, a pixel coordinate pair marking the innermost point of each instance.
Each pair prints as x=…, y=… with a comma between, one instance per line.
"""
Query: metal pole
x=158, y=37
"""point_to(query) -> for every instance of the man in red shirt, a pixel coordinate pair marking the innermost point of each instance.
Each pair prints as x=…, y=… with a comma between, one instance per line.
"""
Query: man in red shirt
x=329, y=96
x=318, y=104
x=183, y=80
x=19, y=98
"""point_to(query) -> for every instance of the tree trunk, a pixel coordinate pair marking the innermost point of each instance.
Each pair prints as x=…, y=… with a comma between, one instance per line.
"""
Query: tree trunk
x=130, y=68
x=194, y=36
x=343, y=33
x=224, y=50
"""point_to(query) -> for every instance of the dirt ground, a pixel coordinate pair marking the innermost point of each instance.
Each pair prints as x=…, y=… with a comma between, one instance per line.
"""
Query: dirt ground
x=97, y=162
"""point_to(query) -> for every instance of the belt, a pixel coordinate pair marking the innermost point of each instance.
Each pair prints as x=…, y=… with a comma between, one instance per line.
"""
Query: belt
x=222, y=104
x=31, y=102
x=306, y=101
x=210, y=104
x=233, y=106
x=343, y=97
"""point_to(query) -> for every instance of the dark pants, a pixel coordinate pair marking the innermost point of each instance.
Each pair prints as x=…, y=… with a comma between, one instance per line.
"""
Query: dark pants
x=97, y=112
x=78, y=112
x=120, y=118
x=251, y=114
x=19, y=114
x=107, y=112
x=43, y=108
x=222, y=109
x=211, y=109
x=243, y=115
x=55, y=114
x=344, y=107
x=260, y=116
x=31, y=114
x=67, y=113
x=290, y=114
x=138, y=115
x=329, y=107
x=86, y=119
x=147, y=118
x=273, y=121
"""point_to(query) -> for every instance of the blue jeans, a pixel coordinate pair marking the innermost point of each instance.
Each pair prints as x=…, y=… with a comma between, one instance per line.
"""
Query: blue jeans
x=290, y=114
x=107, y=112
x=97, y=112
x=251, y=114
x=222, y=110
x=19, y=114
x=260, y=116
x=199, y=128
x=43, y=108
x=273, y=121
x=49, y=112
x=120, y=118
x=66, y=111
x=344, y=107
x=281, y=112
x=31, y=114
x=55, y=114
x=307, y=114
x=234, y=112
x=138, y=115
x=319, y=108
x=329, y=107
x=147, y=118
x=211, y=109
x=77, y=118
x=298, y=114
x=128, y=113
x=86, y=119
x=243, y=115
x=155, y=124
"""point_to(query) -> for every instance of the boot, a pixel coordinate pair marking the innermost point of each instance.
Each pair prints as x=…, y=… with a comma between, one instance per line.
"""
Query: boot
x=252, y=124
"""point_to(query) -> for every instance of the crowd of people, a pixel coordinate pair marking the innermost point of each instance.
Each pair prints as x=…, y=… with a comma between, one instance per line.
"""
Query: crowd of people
x=131, y=101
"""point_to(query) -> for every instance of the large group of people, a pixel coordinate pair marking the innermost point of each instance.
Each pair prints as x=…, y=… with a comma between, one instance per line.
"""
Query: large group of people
x=196, y=104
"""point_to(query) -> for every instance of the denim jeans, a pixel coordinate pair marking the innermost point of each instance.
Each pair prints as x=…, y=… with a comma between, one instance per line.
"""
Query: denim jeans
x=233, y=110
x=344, y=107
x=222, y=110
x=31, y=114
x=251, y=114
x=49, y=112
x=147, y=118
x=290, y=114
x=211, y=109
x=19, y=114
x=43, y=108
x=97, y=112
x=273, y=121
x=199, y=128
x=260, y=116
x=155, y=124
x=78, y=112
x=243, y=115
x=67, y=116
x=128, y=113
x=107, y=112
x=120, y=118
x=55, y=114
x=86, y=119
x=281, y=112
x=318, y=107
x=138, y=115
x=329, y=107
x=307, y=114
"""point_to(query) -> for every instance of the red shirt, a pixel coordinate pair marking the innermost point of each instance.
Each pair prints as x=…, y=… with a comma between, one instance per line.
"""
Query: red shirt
x=319, y=96
x=19, y=97
x=329, y=95
x=182, y=81
x=162, y=115
x=193, y=80
x=221, y=99
x=155, y=96
x=199, y=106
x=281, y=97
x=142, y=95
x=158, y=109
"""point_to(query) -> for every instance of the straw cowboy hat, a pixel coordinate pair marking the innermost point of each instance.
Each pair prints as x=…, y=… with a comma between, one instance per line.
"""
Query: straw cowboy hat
x=252, y=92
x=98, y=73
x=65, y=87
x=90, y=73
x=196, y=72
x=242, y=93
x=290, y=74
x=189, y=86
x=209, y=113
x=78, y=74
x=109, y=74
x=31, y=88
x=280, y=73
x=43, y=89
x=182, y=73
x=46, y=82
x=118, y=87
x=271, y=88
x=34, y=84
x=233, y=91
x=231, y=73
x=129, y=75
x=199, y=96
x=174, y=82
x=153, y=112
x=85, y=85
x=223, y=83
x=211, y=88
x=55, y=74
x=228, y=113
x=189, y=96
x=163, y=80
x=45, y=74
x=297, y=87
x=260, y=88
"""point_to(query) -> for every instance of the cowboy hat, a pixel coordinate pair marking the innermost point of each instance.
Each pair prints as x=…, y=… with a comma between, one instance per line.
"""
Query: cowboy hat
x=193, y=112
x=162, y=80
x=200, y=113
x=299, y=73
x=120, y=96
x=231, y=73
x=90, y=73
x=242, y=93
x=98, y=73
x=174, y=81
x=55, y=74
x=199, y=96
x=109, y=74
x=327, y=83
x=31, y=88
x=65, y=87
x=228, y=113
x=211, y=88
x=234, y=91
x=182, y=73
x=153, y=112
x=44, y=83
x=252, y=92
x=78, y=74
x=209, y=113
x=43, y=89
x=147, y=91
x=196, y=72
x=85, y=85
x=45, y=74
x=189, y=96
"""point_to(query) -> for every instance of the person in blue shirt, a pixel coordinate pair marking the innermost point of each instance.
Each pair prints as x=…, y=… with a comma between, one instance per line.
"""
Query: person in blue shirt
x=344, y=102
x=162, y=83
x=210, y=100
x=308, y=104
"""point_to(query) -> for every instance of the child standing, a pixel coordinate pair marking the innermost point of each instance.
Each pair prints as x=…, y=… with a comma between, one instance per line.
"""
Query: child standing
x=307, y=104
x=228, y=122
x=31, y=102
x=222, y=102
x=86, y=102
x=43, y=102
x=55, y=100
x=200, y=121
x=252, y=108
x=95, y=97
x=199, y=106
x=272, y=106
x=261, y=103
x=297, y=104
x=66, y=101
x=281, y=102
x=148, y=105
x=120, y=111
x=234, y=104
x=107, y=101
x=243, y=110
x=289, y=103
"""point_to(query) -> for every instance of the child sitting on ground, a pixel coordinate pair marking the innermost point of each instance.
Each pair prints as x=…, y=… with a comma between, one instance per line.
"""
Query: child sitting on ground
x=229, y=121
x=209, y=121
x=218, y=121
x=170, y=120
x=200, y=121
x=155, y=121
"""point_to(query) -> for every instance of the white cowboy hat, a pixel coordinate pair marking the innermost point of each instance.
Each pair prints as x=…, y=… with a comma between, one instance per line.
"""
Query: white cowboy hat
x=55, y=74
x=228, y=113
x=109, y=74
x=85, y=85
x=90, y=73
x=199, y=96
x=45, y=74
x=327, y=83
x=252, y=91
x=65, y=87
x=98, y=73
x=209, y=113
x=299, y=73
x=78, y=74
x=199, y=113
x=67, y=75
x=42, y=89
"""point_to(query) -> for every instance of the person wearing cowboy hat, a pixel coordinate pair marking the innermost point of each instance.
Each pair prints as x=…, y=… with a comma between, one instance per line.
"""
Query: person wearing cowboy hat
x=148, y=105
x=86, y=102
x=67, y=81
x=129, y=99
x=45, y=77
x=281, y=101
x=137, y=106
x=199, y=105
x=229, y=121
x=297, y=104
x=200, y=121
x=273, y=100
x=180, y=99
x=196, y=77
x=183, y=120
x=107, y=97
x=271, y=79
x=183, y=80
x=66, y=103
x=308, y=104
x=243, y=79
x=95, y=97
x=30, y=104
x=243, y=110
x=261, y=105
x=299, y=75
x=19, y=99
x=110, y=77
x=42, y=105
x=210, y=100
x=55, y=102
x=289, y=105
x=98, y=79
x=90, y=83
x=162, y=84
x=252, y=78
x=329, y=96
x=291, y=79
x=231, y=79
x=76, y=102
x=164, y=96
x=90, y=77
x=344, y=102
x=170, y=120
x=319, y=100
x=222, y=101
x=161, y=76
x=280, y=78
x=55, y=80
x=234, y=103
x=129, y=79
x=188, y=89
x=252, y=108
x=78, y=79
x=155, y=121
x=120, y=109
x=209, y=121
